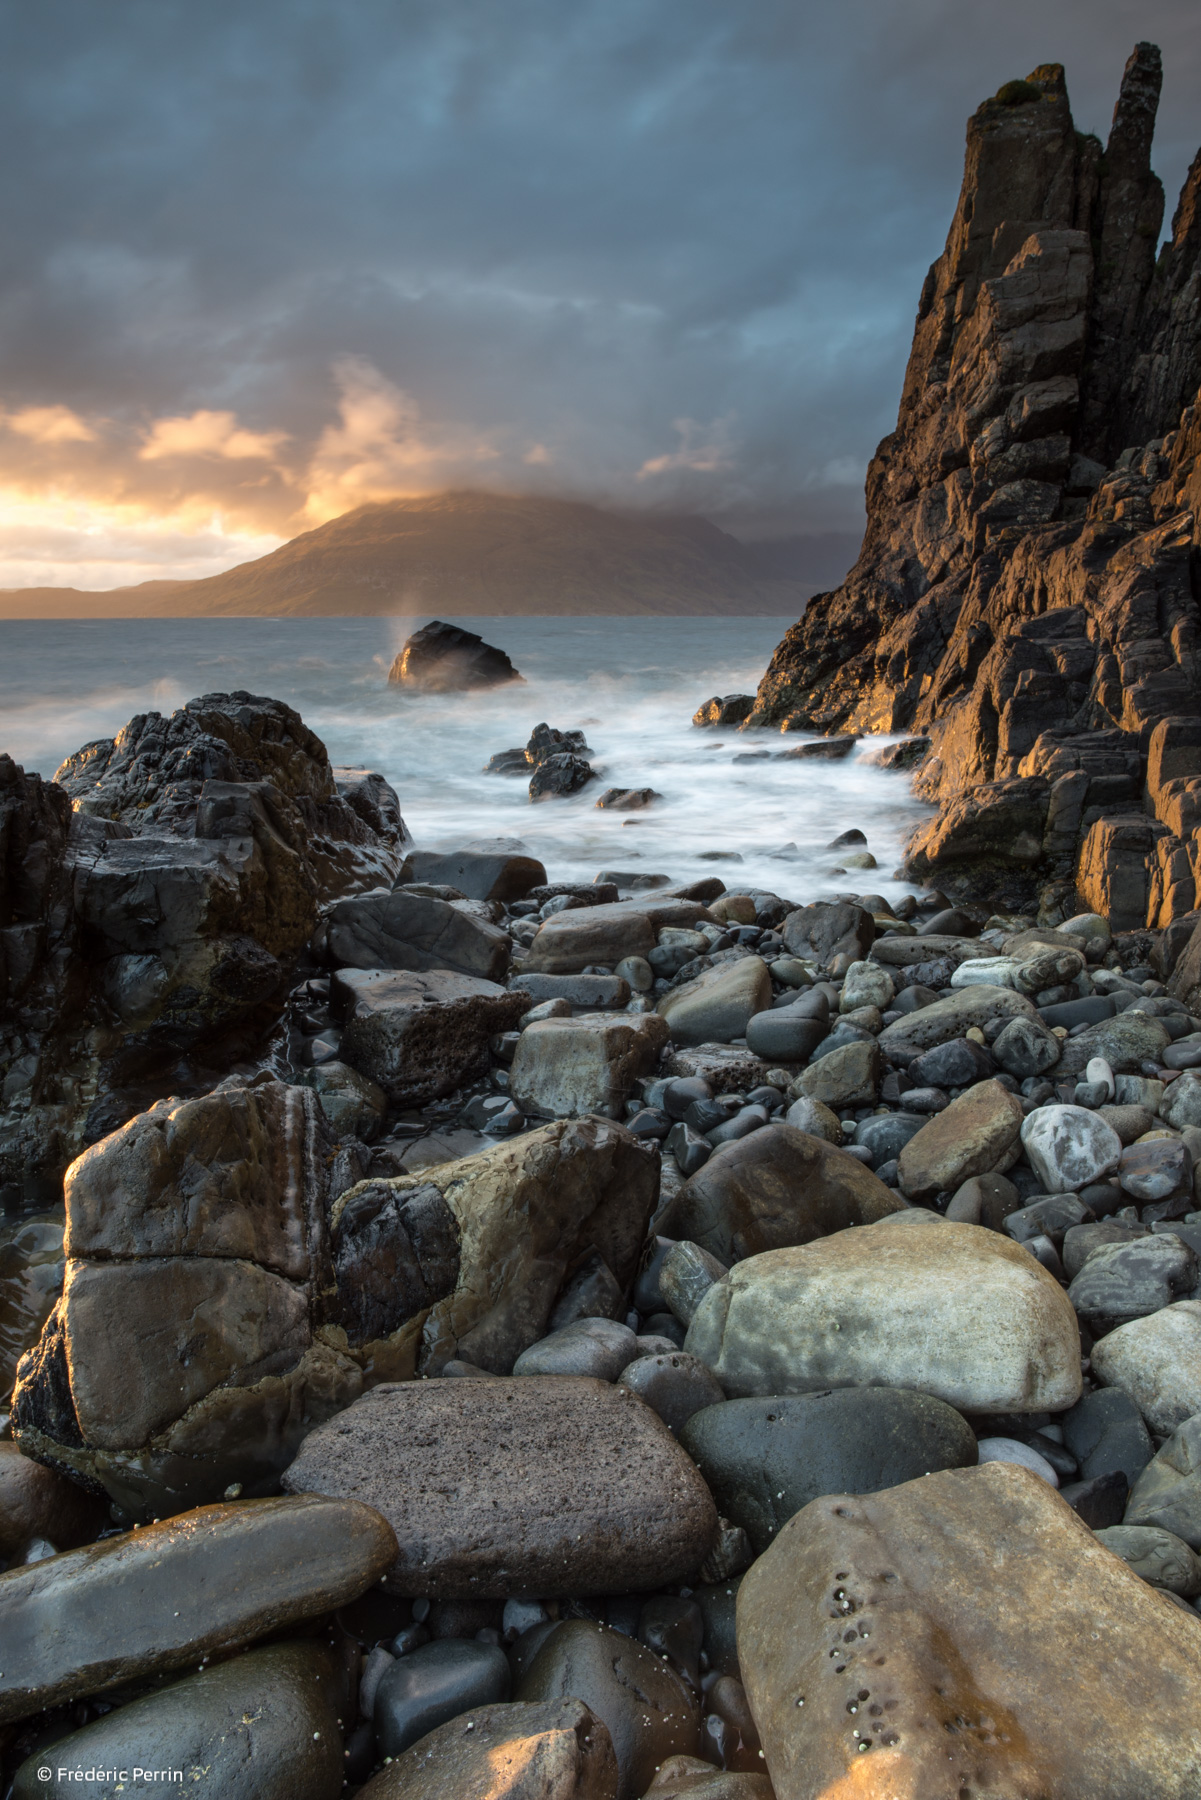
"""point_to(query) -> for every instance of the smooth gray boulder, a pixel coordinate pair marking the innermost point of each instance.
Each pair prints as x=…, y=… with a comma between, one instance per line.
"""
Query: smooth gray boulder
x=480, y=874
x=409, y=931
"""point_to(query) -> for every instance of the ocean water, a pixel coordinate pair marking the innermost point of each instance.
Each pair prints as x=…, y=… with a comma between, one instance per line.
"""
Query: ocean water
x=632, y=685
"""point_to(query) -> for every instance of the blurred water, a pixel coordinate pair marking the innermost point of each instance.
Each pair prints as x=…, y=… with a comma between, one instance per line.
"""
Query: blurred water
x=631, y=684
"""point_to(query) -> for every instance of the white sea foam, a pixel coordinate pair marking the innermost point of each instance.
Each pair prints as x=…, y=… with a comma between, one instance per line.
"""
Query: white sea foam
x=632, y=685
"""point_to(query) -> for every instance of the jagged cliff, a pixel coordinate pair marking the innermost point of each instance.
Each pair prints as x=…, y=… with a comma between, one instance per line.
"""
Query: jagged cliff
x=1027, y=591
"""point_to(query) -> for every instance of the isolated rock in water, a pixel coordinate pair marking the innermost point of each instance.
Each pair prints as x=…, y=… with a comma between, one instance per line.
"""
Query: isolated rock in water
x=445, y=659
x=724, y=709
x=650, y=1712
x=627, y=799
x=558, y=776
x=177, y=1590
x=547, y=740
x=764, y=1459
x=522, y=1750
x=950, y=1310
x=528, y=1485
x=418, y=1036
x=529, y=1213
x=976, y=1135
x=398, y=930
x=563, y=1068
x=273, y=1712
x=777, y=1187
x=924, y=1630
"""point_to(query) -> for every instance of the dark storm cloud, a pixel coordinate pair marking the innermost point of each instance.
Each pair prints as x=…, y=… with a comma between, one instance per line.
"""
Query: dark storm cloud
x=662, y=252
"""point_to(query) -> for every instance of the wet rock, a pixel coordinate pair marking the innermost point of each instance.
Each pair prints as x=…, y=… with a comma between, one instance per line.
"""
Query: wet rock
x=1157, y=1361
x=445, y=659
x=719, y=1004
x=724, y=709
x=628, y=799
x=161, y=1598
x=948, y=1310
x=1023, y=1456
x=528, y=1485
x=1120, y=1282
x=400, y=930
x=866, y=984
x=1053, y=1217
x=585, y=992
x=815, y=1118
x=1167, y=1493
x=828, y=929
x=685, y=1276
x=784, y=1035
x=568, y=942
x=1105, y=1433
x=649, y=1710
x=264, y=1726
x=1158, y=1556
x=479, y=874
x=984, y=1200
x=36, y=1502
x=1125, y=1042
x=548, y=1750
x=885, y=1136
x=1181, y=1105
x=419, y=1036
x=958, y=1063
x=434, y=1684
x=780, y=1186
x=354, y=1106
x=396, y=1253
x=911, y=1576
x=908, y=1037
x=691, y=1778
x=593, y=1292
x=1069, y=1147
x=766, y=1458
x=528, y=1211
x=846, y=1077
x=597, y=1347
x=563, y=1068
x=558, y=776
x=1025, y=1048
x=674, y=1384
x=976, y=1135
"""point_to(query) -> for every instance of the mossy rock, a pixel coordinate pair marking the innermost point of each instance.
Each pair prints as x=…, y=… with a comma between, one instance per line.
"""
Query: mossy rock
x=1018, y=93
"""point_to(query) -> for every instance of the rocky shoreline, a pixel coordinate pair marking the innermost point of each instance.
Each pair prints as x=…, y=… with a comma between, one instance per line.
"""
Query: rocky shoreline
x=477, y=1335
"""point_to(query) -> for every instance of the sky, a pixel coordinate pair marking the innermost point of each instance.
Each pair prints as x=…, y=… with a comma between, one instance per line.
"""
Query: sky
x=263, y=263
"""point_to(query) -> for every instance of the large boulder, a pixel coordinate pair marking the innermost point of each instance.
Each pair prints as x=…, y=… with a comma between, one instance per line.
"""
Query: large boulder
x=1125, y=1042
x=479, y=874
x=420, y=1036
x=1157, y=1361
x=528, y=1485
x=777, y=1187
x=828, y=929
x=766, y=1458
x=528, y=1214
x=924, y=1630
x=178, y=1590
x=976, y=1135
x=445, y=659
x=565, y=1067
x=951, y=1310
x=183, y=1354
x=1069, y=1147
x=396, y=930
x=719, y=1004
x=569, y=941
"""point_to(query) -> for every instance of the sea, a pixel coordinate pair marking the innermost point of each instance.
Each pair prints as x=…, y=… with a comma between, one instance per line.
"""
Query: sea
x=631, y=685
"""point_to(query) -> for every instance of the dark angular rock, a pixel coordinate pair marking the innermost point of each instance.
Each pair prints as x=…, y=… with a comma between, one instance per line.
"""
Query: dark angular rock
x=559, y=776
x=434, y=1684
x=480, y=875
x=445, y=659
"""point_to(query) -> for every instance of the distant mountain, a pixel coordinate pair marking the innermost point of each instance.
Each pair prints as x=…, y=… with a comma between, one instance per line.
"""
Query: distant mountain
x=467, y=554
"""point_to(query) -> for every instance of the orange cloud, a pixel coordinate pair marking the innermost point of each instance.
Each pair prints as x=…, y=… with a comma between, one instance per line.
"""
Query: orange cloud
x=209, y=434
x=50, y=425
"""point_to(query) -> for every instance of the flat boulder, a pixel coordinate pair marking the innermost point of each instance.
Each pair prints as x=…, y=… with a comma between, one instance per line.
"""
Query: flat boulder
x=911, y=1302
x=1125, y=1042
x=766, y=1458
x=976, y=1135
x=563, y=1068
x=907, y=1037
x=445, y=659
x=398, y=930
x=479, y=874
x=161, y=1598
x=719, y=1005
x=925, y=1630
x=420, y=1036
x=778, y=1187
x=570, y=941
x=526, y=1485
